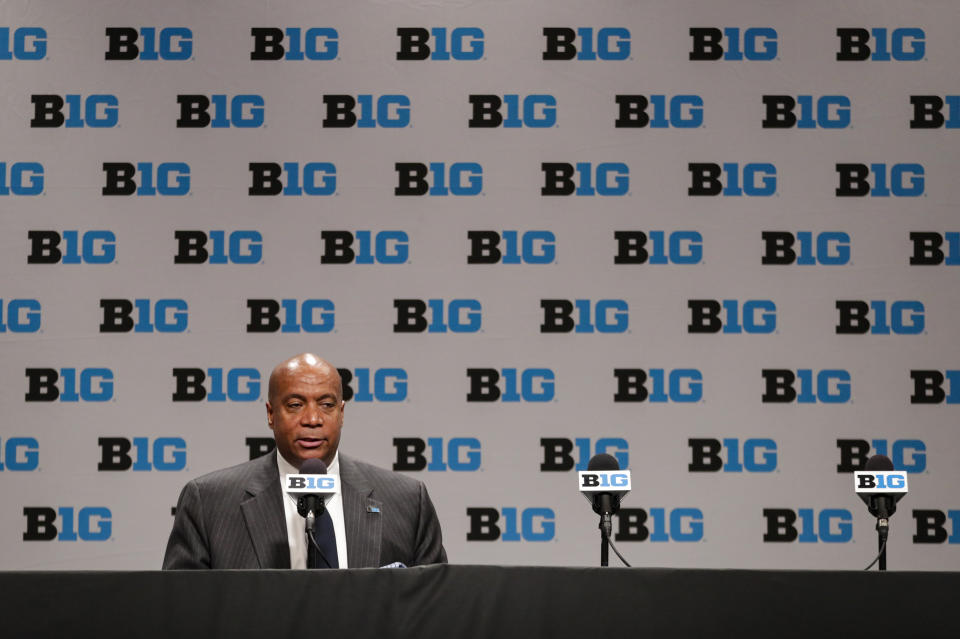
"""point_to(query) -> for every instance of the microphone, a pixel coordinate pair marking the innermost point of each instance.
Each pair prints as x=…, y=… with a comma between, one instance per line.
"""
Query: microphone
x=604, y=485
x=311, y=485
x=310, y=505
x=880, y=487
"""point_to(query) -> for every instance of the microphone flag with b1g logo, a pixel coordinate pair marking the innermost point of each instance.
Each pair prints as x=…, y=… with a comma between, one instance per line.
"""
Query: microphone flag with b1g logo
x=613, y=482
x=300, y=484
x=873, y=484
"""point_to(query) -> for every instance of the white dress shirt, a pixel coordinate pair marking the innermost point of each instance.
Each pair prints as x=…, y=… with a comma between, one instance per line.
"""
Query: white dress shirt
x=296, y=525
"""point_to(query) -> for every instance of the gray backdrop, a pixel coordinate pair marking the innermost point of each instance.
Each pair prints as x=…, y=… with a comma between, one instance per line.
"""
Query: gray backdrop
x=65, y=508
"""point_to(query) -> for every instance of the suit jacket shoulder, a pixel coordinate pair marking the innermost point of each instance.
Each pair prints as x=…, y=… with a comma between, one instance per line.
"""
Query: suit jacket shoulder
x=231, y=518
x=388, y=517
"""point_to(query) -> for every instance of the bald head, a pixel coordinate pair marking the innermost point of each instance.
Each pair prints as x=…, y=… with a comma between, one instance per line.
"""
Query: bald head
x=304, y=363
x=305, y=409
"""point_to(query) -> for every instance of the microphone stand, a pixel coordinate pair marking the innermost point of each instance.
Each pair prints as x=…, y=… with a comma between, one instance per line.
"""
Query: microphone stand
x=312, y=557
x=883, y=528
x=311, y=507
x=883, y=553
x=604, y=543
x=604, y=505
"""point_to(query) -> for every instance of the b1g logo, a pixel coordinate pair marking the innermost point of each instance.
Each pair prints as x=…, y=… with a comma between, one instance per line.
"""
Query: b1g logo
x=828, y=386
x=535, y=111
x=659, y=525
x=167, y=315
x=928, y=387
x=20, y=454
x=75, y=385
x=754, y=44
x=97, y=111
x=21, y=178
x=829, y=248
x=90, y=247
x=436, y=178
x=294, y=43
x=462, y=454
x=755, y=179
x=307, y=483
x=830, y=525
x=163, y=454
x=730, y=456
x=680, y=385
x=165, y=43
x=927, y=249
x=233, y=247
x=900, y=180
x=391, y=111
x=518, y=524
x=29, y=43
x=601, y=316
x=519, y=247
x=272, y=178
x=932, y=529
x=901, y=44
x=20, y=316
x=591, y=480
x=291, y=316
x=90, y=523
x=511, y=385
x=605, y=179
x=898, y=318
x=907, y=454
x=440, y=43
x=374, y=385
x=825, y=112
x=679, y=111
x=240, y=111
x=216, y=385
x=168, y=178
x=758, y=316
x=461, y=316
x=365, y=247
x=607, y=43
x=658, y=247
x=559, y=455
x=928, y=112
x=880, y=481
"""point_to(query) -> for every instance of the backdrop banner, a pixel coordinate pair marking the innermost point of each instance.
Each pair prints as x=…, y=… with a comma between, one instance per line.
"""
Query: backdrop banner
x=717, y=240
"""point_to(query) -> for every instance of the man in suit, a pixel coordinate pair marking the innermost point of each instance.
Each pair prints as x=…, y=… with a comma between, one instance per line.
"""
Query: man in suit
x=239, y=517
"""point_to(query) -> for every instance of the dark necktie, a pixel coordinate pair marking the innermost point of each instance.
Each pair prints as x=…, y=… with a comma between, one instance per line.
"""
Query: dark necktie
x=327, y=541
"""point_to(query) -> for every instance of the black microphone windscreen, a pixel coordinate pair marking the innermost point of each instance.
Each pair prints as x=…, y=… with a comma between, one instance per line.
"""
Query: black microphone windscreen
x=879, y=462
x=315, y=467
x=603, y=461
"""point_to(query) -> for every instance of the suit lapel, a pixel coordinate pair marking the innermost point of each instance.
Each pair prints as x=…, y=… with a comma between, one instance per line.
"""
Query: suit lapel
x=362, y=519
x=264, y=515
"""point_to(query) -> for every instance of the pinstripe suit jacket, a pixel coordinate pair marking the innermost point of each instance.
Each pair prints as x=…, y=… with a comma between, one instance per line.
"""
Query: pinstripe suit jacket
x=233, y=518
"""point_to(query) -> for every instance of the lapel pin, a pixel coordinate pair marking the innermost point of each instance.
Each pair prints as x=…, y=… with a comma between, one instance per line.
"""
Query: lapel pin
x=373, y=509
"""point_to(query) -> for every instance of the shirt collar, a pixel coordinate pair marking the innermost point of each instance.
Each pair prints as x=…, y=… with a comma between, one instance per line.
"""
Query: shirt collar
x=286, y=468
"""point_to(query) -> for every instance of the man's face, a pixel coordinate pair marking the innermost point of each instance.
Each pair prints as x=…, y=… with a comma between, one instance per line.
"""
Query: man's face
x=305, y=413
